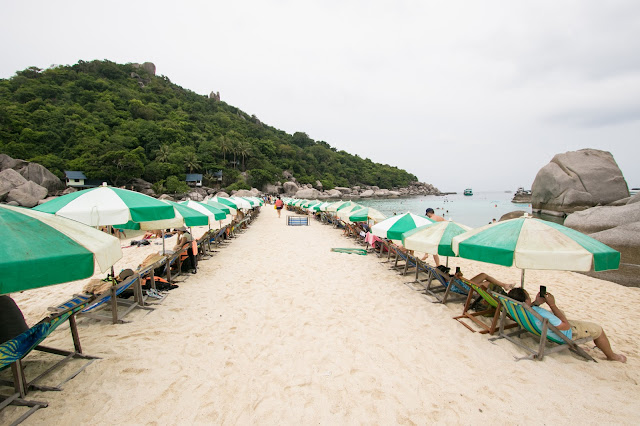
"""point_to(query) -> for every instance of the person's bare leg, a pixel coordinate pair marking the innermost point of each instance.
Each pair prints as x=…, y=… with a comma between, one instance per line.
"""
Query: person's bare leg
x=604, y=345
x=483, y=280
x=436, y=259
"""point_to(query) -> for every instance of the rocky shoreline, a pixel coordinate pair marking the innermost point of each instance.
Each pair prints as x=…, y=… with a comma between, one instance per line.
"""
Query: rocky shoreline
x=28, y=184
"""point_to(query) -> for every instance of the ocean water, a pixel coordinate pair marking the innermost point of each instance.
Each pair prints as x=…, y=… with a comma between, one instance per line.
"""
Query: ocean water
x=476, y=210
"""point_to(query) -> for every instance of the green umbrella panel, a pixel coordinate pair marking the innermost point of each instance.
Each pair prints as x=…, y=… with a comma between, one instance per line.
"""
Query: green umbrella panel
x=39, y=249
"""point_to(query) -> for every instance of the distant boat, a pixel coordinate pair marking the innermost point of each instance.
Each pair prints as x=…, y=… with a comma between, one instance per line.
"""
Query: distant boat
x=468, y=191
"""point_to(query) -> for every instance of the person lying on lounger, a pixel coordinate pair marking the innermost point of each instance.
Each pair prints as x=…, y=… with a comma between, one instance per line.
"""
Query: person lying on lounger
x=572, y=329
x=487, y=282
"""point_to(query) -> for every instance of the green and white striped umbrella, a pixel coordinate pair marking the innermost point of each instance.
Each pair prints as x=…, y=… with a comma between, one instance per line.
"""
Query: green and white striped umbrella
x=106, y=205
x=226, y=201
x=241, y=203
x=185, y=216
x=211, y=212
x=434, y=238
x=224, y=207
x=335, y=206
x=393, y=227
x=530, y=243
x=39, y=249
x=365, y=214
x=321, y=207
x=344, y=213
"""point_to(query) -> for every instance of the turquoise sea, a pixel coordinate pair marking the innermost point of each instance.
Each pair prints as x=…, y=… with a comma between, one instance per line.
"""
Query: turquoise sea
x=476, y=210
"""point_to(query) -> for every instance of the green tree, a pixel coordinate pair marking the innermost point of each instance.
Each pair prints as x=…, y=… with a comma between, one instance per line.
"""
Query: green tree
x=163, y=154
x=191, y=162
x=244, y=150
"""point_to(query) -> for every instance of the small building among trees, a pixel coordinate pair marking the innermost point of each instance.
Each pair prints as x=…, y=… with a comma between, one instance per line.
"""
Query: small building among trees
x=194, y=179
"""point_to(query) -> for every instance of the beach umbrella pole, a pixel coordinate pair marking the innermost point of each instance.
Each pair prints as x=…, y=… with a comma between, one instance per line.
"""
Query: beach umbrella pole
x=522, y=279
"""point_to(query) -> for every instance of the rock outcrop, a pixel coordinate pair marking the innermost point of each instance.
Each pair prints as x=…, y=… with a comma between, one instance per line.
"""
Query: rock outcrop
x=307, y=193
x=290, y=188
x=367, y=193
x=577, y=180
x=28, y=194
x=10, y=180
x=619, y=228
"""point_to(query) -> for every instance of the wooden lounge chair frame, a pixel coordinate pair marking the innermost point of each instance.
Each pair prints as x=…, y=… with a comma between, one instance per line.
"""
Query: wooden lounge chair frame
x=421, y=267
x=494, y=309
x=446, y=286
x=111, y=297
x=20, y=383
x=523, y=315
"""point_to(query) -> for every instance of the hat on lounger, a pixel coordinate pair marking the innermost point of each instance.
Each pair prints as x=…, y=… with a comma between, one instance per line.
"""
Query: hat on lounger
x=181, y=229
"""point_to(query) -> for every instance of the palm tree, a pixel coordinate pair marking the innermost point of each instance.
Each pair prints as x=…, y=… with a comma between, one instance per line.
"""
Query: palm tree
x=234, y=149
x=244, y=149
x=191, y=161
x=225, y=146
x=163, y=154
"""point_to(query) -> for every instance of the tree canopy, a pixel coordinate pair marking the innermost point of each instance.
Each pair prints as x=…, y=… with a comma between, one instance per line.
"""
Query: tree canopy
x=119, y=122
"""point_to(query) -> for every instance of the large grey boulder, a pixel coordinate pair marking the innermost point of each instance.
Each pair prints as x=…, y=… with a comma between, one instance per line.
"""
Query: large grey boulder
x=598, y=219
x=196, y=196
x=272, y=189
x=577, y=180
x=290, y=188
x=625, y=239
x=333, y=193
x=7, y=162
x=27, y=194
x=307, y=193
x=9, y=180
x=247, y=193
x=367, y=194
x=40, y=175
x=343, y=189
x=222, y=194
x=634, y=199
x=381, y=193
x=319, y=186
x=166, y=197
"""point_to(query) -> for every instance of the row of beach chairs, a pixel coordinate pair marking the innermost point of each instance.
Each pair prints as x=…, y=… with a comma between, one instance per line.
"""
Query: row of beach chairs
x=501, y=312
x=105, y=306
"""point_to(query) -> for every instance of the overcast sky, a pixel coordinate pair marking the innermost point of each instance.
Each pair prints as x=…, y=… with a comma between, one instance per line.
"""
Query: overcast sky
x=477, y=94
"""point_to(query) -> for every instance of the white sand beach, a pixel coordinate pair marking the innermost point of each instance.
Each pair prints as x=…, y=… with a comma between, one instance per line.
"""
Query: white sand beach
x=277, y=329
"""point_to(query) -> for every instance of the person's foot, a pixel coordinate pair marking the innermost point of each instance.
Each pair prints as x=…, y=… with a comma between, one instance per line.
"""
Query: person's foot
x=508, y=287
x=618, y=357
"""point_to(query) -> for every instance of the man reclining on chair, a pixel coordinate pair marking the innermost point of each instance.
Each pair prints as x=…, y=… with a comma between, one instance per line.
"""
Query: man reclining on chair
x=572, y=329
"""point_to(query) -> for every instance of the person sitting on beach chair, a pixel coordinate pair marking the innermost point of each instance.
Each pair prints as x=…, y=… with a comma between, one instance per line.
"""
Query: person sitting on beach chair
x=573, y=329
x=184, y=238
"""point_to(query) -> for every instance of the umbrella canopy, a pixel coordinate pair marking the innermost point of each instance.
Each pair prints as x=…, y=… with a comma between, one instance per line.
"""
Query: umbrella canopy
x=335, y=206
x=395, y=226
x=39, y=249
x=434, y=238
x=224, y=207
x=107, y=206
x=530, y=243
x=226, y=201
x=344, y=213
x=327, y=206
x=241, y=203
x=365, y=214
x=211, y=212
x=320, y=207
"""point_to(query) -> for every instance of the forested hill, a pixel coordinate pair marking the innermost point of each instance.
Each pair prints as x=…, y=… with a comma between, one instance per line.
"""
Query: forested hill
x=121, y=122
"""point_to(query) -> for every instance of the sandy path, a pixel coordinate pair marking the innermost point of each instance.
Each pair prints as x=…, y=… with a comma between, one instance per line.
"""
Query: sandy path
x=276, y=329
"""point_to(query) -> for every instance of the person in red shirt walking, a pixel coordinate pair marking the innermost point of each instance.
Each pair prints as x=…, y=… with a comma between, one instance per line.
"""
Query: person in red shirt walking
x=279, y=205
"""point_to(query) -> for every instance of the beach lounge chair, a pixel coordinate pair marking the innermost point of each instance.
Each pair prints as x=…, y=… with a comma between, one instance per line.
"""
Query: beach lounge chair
x=403, y=260
x=110, y=299
x=421, y=268
x=13, y=351
x=529, y=322
x=494, y=309
x=448, y=287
